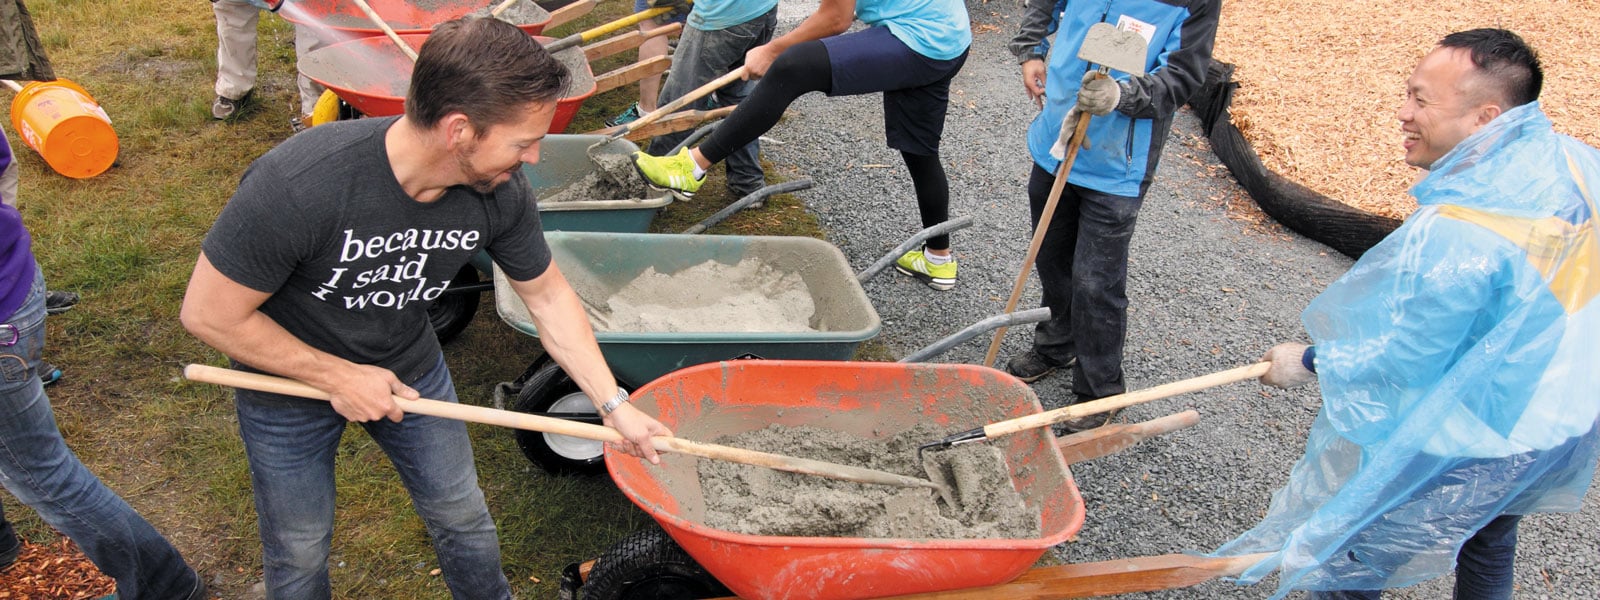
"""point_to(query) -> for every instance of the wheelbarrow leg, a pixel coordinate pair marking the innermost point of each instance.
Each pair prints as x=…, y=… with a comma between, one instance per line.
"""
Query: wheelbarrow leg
x=1109, y=439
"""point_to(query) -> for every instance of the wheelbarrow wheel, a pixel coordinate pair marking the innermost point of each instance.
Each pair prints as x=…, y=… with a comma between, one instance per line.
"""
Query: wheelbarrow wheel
x=550, y=390
x=453, y=310
x=648, y=565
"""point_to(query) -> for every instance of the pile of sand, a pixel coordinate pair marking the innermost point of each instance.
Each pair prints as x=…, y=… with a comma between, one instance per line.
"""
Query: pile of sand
x=710, y=297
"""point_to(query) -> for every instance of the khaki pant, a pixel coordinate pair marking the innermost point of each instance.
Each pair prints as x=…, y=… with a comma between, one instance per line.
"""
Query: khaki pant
x=236, y=52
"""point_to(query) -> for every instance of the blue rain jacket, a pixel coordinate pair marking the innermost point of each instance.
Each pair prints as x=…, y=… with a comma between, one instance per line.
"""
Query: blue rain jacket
x=1458, y=370
x=1125, y=146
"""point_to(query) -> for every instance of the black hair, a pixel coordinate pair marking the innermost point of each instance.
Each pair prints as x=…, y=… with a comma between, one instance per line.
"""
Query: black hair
x=484, y=68
x=1508, y=63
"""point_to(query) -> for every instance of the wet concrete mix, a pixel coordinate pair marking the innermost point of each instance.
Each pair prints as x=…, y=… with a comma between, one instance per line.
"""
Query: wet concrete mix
x=759, y=501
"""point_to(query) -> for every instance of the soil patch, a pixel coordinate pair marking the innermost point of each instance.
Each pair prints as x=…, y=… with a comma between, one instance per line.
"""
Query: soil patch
x=759, y=501
x=711, y=296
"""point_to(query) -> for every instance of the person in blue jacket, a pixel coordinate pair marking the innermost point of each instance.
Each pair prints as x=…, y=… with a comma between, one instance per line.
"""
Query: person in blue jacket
x=1083, y=261
x=911, y=51
x=39, y=469
x=1456, y=358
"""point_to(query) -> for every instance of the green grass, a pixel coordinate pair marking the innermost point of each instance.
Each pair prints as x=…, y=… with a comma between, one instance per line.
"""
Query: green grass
x=127, y=239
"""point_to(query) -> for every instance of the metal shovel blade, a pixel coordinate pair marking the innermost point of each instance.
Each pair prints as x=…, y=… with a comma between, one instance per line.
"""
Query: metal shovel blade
x=1113, y=48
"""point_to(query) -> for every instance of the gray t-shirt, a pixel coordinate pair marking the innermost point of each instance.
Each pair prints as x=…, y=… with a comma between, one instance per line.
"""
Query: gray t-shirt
x=352, y=261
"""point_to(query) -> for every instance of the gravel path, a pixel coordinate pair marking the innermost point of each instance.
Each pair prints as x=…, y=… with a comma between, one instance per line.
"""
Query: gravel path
x=1209, y=290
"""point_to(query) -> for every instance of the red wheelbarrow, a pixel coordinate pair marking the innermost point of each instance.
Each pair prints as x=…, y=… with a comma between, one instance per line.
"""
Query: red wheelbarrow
x=371, y=74
x=405, y=16
x=868, y=400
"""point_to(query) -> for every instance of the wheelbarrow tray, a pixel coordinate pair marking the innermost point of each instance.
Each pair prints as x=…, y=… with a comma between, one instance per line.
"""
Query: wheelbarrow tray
x=599, y=264
x=372, y=75
x=870, y=400
x=403, y=16
x=565, y=159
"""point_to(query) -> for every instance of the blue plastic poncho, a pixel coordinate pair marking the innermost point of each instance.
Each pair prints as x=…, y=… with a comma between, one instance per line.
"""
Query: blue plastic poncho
x=1458, y=370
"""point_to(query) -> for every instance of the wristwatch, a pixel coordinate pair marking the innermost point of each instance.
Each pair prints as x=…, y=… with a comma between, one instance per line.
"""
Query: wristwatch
x=615, y=402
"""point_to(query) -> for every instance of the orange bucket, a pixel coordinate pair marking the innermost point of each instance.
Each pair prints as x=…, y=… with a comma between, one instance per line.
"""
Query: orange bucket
x=60, y=121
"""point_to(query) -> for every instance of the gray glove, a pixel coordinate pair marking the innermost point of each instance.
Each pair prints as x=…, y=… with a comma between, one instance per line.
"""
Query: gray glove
x=1287, y=371
x=1098, y=96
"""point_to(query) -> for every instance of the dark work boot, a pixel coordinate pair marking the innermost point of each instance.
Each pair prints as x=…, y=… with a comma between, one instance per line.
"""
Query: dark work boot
x=1031, y=366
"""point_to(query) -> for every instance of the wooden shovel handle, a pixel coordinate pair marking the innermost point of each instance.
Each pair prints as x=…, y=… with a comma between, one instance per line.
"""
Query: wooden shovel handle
x=501, y=7
x=516, y=420
x=388, y=31
x=1110, y=403
x=682, y=101
x=1075, y=142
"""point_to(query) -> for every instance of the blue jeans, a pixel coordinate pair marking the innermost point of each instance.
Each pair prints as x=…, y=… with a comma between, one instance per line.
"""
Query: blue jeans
x=291, y=444
x=1083, y=270
x=37, y=467
x=706, y=55
x=1484, y=566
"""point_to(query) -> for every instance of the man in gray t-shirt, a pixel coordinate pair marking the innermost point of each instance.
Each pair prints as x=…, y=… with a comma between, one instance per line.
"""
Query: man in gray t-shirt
x=321, y=268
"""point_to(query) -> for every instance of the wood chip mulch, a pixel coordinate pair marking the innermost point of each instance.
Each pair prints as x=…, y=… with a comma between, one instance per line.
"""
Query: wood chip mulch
x=1320, y=81
x=54, y=571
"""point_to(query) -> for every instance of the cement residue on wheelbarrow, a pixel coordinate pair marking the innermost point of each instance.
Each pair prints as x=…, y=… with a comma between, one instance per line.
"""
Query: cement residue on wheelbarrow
x=408, y=16
x=613, y=178
x=746, y=296
x=758, y=501
x=872, y=404
x=373, y=75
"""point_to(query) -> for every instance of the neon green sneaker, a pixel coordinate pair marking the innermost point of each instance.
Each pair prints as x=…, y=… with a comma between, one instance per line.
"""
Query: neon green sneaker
x=674, y=173
x=939, y=277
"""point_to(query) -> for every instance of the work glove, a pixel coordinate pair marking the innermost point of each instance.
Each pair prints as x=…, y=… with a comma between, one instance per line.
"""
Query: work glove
x=1288, y=368
x=1069, y=124
x=1098, y=96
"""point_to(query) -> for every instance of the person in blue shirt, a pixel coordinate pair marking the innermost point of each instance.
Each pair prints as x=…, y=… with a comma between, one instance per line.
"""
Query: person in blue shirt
x=1083, y=260
x=716, y=37
x=1456, y=358
x=910, y=52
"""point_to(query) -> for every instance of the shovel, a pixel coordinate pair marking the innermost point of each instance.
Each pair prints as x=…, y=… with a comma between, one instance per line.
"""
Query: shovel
x=590, y=35
x=1109, y=48
x=516, y=420
x=1107, y=404
x=626, y=174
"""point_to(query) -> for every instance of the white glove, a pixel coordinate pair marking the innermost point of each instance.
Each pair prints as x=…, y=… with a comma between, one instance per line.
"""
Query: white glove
x=1069, y=124
x=1098, y=95
x=1287, y=371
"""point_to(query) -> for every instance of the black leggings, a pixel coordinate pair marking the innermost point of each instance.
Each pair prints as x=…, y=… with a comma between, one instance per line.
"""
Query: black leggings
x=933, y=193
x=802, y=69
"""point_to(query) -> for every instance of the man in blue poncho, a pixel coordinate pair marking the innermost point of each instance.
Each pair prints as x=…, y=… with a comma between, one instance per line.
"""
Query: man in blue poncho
x=1456, y=357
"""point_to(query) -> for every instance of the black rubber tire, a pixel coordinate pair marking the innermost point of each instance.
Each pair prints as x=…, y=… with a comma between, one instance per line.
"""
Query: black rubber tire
x=549, y=389
x=453, y=311
x=648, y=565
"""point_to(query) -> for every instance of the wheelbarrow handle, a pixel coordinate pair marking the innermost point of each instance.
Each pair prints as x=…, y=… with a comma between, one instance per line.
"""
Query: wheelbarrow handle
x=515, y=420
x=590, y=35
